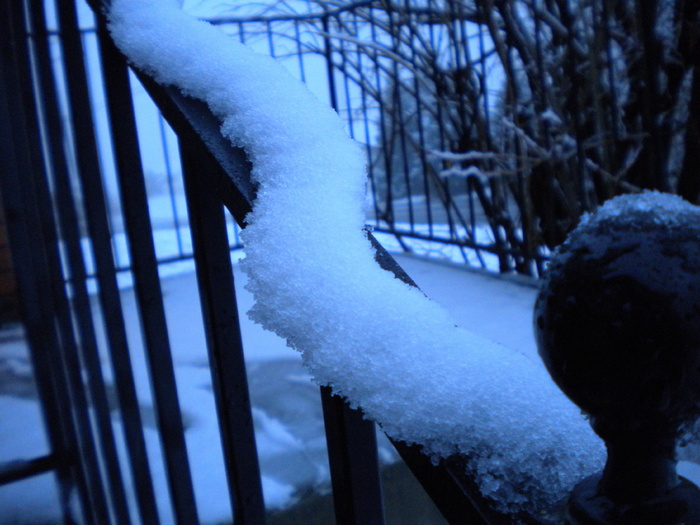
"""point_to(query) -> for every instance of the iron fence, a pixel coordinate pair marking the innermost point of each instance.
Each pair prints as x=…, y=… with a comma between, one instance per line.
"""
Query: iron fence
x=365, y=60
x=419, y=86
x=481, y=143
x=61, y=227
x=419, y=209
x=490, y=129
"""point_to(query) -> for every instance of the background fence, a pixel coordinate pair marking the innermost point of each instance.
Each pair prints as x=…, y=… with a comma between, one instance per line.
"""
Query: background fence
x=491, y=126
x=488, y=129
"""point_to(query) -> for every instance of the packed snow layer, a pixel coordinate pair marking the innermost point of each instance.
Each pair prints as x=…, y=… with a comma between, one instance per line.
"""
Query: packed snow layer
x=640, y=212
x=375, y=340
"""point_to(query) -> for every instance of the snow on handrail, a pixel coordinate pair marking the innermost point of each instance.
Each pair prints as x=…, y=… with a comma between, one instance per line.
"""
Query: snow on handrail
x=372, y=338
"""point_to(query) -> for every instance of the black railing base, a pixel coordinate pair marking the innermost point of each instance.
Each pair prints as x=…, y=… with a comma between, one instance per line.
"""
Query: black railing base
x=680, y=506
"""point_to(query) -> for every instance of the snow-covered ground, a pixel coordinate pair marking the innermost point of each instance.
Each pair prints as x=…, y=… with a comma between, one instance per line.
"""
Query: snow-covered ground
x=287, y=414
x=286, y=403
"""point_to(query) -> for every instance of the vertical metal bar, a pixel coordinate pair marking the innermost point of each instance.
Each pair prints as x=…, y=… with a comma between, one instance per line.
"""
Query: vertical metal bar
x=441, y=116
x=366, y=127
x=81, y=301
x=386, y=143
x=299, y=51
x=109, y=294
x=37, y=317
x=352, y=456
x=37, y=267
x=20, y=221
x=352, y=442
x=330, y=67
x=270, y=40
x=69, y=361
x=398, y=123
x=171, y=189
x=349, y=118
x=422, y=151
x=221, y=321
x=148, y=291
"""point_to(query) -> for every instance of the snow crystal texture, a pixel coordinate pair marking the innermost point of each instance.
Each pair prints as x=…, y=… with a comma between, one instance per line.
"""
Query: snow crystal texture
x=640, y=211
x=378, y=342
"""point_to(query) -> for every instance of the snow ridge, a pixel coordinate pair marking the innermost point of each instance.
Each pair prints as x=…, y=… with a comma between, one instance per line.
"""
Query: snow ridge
x=375, y=340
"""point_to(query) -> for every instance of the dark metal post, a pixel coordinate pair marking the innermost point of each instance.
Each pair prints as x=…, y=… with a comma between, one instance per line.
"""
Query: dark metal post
x=148, y=290
x=118, y=98
x=618, y=326
x=221, y=322
x=352, y=455
x=87, y=161
x=36, y=262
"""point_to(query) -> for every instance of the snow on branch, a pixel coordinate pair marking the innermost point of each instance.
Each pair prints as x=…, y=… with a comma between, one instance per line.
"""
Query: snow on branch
x=378, y=342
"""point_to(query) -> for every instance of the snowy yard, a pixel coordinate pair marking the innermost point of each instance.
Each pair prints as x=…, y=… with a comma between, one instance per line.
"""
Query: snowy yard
x=286, y=403
x=286, y=406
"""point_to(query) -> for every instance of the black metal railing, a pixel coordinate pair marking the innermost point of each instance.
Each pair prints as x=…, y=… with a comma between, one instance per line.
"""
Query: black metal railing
x=45, y=234
x=52, y=181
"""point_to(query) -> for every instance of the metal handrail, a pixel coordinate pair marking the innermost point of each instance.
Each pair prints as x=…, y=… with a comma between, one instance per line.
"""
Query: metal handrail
x=85, y=454
x=230, y=180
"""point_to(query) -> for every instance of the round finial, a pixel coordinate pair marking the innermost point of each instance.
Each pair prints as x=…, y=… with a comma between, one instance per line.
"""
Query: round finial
x=617, y=323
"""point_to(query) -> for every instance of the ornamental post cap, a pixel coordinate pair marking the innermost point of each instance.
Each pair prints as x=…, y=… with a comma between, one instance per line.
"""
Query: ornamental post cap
x=617, y=323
